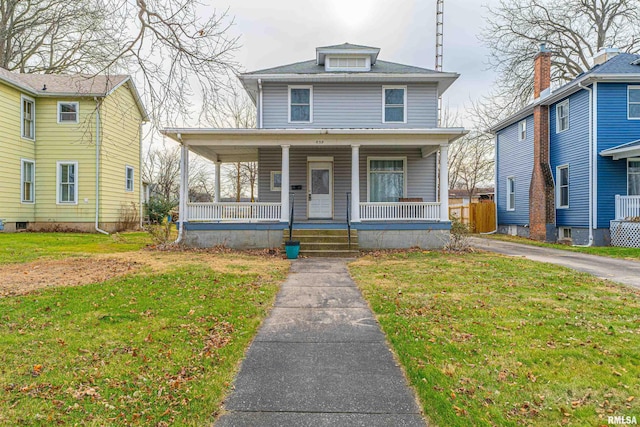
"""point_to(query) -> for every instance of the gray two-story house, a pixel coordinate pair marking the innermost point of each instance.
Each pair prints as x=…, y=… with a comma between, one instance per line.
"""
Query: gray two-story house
x=343, y=141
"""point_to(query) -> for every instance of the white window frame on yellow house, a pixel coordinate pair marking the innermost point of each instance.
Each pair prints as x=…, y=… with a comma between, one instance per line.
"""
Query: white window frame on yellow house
x=59, y=182
x=128, y=188
x=24, y=180
x=60, y=112
x=32, y=120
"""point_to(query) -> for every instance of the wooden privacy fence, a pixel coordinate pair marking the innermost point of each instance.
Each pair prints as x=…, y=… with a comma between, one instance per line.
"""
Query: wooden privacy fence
x=481, y=217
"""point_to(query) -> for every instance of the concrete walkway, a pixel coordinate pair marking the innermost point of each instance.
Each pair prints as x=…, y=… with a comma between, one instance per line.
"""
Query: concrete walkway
x=320, y=359
x=617, y=270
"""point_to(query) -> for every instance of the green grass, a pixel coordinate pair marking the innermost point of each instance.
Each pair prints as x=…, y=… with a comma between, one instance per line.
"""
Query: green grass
x=489, y=340
x=25, y=247
x=609, y=251
x=156, y=349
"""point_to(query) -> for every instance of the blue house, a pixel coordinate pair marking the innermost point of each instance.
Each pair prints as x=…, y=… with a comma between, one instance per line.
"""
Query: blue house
x=568, y=165
x=345, y=143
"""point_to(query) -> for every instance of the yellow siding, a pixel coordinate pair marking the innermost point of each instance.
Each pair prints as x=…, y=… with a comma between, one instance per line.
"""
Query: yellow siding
x=64, y=142
x=12, y=149
x=121, y=121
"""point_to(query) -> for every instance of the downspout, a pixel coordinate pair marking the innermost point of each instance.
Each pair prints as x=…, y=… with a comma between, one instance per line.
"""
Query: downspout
x=140, y=187
x=591, y=160
x=259, y=103
x=98, y=138
x=181, y=204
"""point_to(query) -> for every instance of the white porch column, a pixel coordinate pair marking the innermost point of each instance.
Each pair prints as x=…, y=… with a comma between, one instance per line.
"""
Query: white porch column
x=444, y=182
x=355, y=183
x=184, y=184
x=284, y=192
x=216, y=194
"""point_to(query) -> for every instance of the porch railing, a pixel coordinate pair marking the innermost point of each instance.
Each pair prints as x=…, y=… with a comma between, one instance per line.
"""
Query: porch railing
x=244, y=212
x=400, y=211
x=627, y=207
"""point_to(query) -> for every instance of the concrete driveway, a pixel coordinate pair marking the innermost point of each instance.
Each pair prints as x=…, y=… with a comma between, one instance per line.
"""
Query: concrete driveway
x=617, y=270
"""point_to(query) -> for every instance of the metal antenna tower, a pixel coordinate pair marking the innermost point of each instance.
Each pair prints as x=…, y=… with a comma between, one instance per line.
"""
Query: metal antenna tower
x=439, y=33
x=439, y=47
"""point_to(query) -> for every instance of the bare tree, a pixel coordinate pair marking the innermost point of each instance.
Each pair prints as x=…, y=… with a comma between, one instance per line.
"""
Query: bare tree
x=250, y=174
x=234, y=109
x=573, y=30
x=168, y=46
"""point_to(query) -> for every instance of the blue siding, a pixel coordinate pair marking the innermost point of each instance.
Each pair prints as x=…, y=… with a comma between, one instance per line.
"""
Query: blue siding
x=613, y=129
x=515, y=158
x=571, y=147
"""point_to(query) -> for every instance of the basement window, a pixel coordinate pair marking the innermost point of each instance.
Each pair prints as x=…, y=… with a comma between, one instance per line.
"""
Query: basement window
x=21, y=225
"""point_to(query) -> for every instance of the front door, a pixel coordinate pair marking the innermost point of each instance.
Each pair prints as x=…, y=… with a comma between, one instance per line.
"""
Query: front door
x=320, y=189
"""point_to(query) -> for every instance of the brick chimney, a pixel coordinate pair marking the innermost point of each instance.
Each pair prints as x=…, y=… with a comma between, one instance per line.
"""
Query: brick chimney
x=541, y=191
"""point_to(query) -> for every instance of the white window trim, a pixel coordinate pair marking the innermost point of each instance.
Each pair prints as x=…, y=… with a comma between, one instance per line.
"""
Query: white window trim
x=565, y=102
x=33, y=182
x=404, y=171
x=65, y=122
x=559, y=186
x=629, y=88
x=33, y=117
x=328, y=67
x=522, y=129
x=634, y=159
x=310, y=87
x=508, y=205
x=384, y=88
x=273, y=186
x=76, y=182
x=126, y=179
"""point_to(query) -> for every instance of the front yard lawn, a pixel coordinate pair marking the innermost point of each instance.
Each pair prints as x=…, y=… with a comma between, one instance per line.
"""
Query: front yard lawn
x=609, y=251
x=489, y=340
x=24, y=247
x=155, y=348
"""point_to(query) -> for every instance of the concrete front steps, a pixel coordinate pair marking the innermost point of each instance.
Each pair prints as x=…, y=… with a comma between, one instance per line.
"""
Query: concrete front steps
x=324, y=243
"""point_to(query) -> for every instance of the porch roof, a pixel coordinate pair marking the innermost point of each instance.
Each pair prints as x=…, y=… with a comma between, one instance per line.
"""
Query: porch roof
x=623, y=151
x=233, y=145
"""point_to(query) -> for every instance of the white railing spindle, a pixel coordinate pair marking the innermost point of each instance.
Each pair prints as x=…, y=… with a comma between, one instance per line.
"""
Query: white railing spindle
x=237, y=212
x=401, y=211
x=627, y=207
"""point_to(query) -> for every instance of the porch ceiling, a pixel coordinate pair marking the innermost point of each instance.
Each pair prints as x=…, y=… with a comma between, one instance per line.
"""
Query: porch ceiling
x=226, y=154
x=243, y=139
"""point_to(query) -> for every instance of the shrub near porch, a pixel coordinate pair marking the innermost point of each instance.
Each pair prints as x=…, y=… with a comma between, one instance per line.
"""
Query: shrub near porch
x=489, y=340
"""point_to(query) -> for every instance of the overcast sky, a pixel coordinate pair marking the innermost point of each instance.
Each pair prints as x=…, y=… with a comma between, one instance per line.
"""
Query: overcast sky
x=278, y=32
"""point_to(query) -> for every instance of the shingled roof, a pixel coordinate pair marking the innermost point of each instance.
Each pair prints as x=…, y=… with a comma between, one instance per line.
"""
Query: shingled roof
x=311, y=67
x=60, y=84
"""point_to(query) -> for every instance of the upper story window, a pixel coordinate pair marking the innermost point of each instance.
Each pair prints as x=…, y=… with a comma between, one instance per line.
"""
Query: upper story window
x=562, y=116
x=28, y=117
x=562, y=177
x=338, y=63
x=522, y=130
x=394, y=104
x=633, y=96
x=68, y=112
x=128, y=178
x=300, y=104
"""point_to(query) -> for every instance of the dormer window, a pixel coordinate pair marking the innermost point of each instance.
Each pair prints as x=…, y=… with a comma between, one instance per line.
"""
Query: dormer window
x=347, y=63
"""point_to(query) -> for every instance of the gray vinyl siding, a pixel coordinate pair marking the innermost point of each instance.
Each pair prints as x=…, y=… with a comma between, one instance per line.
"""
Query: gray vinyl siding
x=514, y=159
x=421, y=174
x=350, y=105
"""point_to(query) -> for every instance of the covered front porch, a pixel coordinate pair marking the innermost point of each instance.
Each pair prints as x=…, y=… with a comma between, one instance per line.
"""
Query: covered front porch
x=384, y=180
x=625, y=227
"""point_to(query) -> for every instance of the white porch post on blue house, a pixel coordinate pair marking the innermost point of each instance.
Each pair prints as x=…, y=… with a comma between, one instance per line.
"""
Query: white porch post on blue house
x=355, y=183
x=216, y=193
x=444, y=182
x=284, y=191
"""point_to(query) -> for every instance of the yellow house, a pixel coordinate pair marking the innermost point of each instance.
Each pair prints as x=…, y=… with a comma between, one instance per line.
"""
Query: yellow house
x=70, y=156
